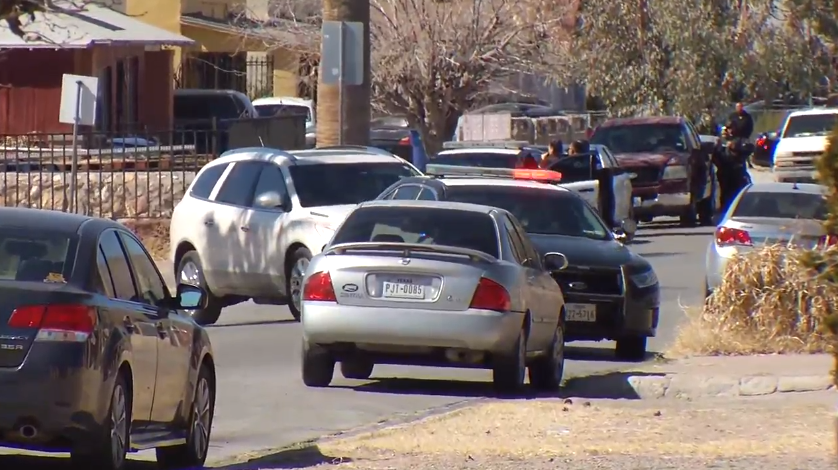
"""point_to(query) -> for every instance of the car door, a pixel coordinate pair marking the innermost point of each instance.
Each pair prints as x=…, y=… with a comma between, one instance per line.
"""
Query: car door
x=234, y=254
x=265, y=226
x=136, y=322
x=173, y=339
x=701, y=171
x=622, y=185
x=532, y=290
x=194, y=217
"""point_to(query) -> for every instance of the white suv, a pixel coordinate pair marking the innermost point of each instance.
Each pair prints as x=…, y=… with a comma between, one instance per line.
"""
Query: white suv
x=252, y=219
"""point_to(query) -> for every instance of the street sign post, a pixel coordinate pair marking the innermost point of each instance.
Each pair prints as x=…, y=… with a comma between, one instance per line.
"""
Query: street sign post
x=342, y=61
x=78, y=107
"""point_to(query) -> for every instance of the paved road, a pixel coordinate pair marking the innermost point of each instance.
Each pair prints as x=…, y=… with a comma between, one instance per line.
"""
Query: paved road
x=262, y=402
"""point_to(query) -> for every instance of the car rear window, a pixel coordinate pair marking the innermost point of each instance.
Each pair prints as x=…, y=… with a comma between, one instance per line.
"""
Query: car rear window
x=791, y=205
x=29, y=256
x=483, y=160
x=333, y=184
x=641, y=138
x=268, y=110
x=424, y=225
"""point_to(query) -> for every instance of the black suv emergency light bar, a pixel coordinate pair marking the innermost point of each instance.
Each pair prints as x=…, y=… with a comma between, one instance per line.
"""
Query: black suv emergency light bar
x=502, y=144
x=545, y=176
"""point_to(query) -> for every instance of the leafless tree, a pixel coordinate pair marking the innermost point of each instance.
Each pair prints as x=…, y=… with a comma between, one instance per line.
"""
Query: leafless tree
x=16, y=14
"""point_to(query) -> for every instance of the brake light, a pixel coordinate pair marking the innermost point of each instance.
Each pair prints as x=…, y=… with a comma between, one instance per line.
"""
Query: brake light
x=732, y=236
x=319, y=288
x=827, y=241
x=490, y=295
x=537, y=175
x=70, y=323
x=761, y=142
x=404, y=141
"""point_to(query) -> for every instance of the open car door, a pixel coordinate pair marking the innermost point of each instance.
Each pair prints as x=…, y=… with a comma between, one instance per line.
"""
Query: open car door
x=579, y=173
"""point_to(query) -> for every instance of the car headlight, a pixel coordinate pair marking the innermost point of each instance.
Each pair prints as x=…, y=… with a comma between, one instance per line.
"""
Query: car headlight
x=644, y=279
x=675, y=172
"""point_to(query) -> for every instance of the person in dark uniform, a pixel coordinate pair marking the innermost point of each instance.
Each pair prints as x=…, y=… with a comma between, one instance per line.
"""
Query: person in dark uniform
x=731, y=170
x=740, y=126
x=554, y=153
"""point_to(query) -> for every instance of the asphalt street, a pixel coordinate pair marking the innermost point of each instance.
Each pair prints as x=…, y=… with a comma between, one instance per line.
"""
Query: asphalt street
x=262, y=402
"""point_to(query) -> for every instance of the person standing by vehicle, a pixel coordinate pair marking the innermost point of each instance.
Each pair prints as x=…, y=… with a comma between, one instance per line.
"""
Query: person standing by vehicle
x=740, y=126
x=553, y=154
x=578, y=147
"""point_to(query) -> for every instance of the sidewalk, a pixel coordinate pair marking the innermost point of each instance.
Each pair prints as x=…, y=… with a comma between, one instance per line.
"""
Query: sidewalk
x=711, y=377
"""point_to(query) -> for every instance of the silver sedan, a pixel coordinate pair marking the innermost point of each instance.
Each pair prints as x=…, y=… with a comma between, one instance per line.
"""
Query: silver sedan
x=433, y=283
x=766, y=214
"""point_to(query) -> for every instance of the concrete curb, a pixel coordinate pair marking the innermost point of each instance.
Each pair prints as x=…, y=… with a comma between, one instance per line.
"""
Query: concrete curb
x=688, y=386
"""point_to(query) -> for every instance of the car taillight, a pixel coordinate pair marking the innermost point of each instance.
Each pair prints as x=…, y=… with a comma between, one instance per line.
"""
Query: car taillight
x=732, y=236
x=761, y=142
x=490, y=296
x=319, y=288
x=404, y=141
x=72, y=323
x=827, y=241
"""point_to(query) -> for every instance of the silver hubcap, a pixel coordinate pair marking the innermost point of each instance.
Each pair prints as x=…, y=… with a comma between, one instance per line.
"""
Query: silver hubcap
x=190, y=274
x=558, y=354
x=119, y=425
x=296, y=281
x=202, y=418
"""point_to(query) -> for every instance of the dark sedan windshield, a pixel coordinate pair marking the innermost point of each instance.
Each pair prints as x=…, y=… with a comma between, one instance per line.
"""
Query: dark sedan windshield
x=29, y=256
x=546, y=212
x=640, y=138
x=345, y=183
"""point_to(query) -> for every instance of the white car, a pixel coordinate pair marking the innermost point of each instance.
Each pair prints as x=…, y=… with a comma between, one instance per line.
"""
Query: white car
x=803, y=138
x=252, y=219
x=281, y=105
x=577, y=173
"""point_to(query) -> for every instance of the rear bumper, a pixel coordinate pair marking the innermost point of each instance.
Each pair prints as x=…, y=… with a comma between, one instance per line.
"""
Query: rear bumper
x=327, y=323
x=61, y=401
x=795, y=175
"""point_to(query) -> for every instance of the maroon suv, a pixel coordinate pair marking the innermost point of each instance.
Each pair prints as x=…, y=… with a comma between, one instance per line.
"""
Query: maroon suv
x=674, y=176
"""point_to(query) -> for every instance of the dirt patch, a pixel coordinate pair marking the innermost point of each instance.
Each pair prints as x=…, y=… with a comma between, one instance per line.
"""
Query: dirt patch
x=541, y=430
x=769, y=302
x=154, y=233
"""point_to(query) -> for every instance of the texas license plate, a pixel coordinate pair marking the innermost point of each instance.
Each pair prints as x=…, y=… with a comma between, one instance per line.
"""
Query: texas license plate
x=580, y=312
x=397, y=290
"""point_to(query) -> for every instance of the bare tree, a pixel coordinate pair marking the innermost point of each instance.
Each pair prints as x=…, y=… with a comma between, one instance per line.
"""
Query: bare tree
x=433, y=59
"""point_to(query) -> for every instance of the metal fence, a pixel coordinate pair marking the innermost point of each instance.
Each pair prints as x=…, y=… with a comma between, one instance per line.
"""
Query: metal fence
x=250, y=74
x=137, y=177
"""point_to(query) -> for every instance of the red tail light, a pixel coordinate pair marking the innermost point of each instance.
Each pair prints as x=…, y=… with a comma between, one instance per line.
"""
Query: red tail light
x=319, y=288
x=827, y=241
x=490, y=296
x=56, y=322
x=404, y=141
x=732, y=236
x=761, y=141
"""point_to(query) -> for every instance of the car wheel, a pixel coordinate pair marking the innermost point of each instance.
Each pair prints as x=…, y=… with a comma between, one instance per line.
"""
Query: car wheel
x=632, y=348
x=295, y=270
x=509, y=370
x=318, y=366
x=193, y=454
x=109, y=452
x=358, y=369
x=546, y=373
x=191, y=271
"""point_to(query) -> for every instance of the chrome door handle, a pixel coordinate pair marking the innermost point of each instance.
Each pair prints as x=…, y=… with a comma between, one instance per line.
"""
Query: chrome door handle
x=245, y=228
x=209, y=222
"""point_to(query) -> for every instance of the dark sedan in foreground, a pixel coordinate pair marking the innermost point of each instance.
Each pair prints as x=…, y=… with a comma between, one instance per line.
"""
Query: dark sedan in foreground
x=95, y=357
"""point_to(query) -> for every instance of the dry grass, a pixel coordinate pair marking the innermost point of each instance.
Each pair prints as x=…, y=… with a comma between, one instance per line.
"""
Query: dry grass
x=554, y=428
x=154, y=233
x=769, y=302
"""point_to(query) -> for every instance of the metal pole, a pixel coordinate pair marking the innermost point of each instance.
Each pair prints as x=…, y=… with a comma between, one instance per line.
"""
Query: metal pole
x=341, y=59
x=74, y=165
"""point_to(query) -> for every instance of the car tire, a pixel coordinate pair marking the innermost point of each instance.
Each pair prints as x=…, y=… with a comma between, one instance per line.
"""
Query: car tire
x=318, y=367
x=193, y=454
x=509, y=370
x=293, y=263
x=190, y=266
x=547, y=371
x=357, y=369
x=110, y=448
x=632, y=348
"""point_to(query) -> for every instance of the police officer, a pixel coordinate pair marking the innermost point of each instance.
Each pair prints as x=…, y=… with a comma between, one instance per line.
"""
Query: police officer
x=731, y=170
x=740, y=124
x=554, y=153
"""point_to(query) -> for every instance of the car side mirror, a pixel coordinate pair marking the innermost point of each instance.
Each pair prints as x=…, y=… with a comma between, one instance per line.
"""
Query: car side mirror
x=620, y=235
x=554, y=261
x=190, y=297
x=270, y=200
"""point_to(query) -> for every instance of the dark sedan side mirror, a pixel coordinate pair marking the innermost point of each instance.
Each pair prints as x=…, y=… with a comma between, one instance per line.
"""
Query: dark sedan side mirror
x=190, y=297
x=554, y=261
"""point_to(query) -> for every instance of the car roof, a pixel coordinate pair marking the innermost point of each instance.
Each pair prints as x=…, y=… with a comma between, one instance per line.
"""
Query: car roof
x=303, y=157
x=488, y=181
x=201, y=91
x=478, y=149
x=283, y=100
x=814, y=112
x=44, y=219
x=642, y=120
x=775, y=187
x=447, y=205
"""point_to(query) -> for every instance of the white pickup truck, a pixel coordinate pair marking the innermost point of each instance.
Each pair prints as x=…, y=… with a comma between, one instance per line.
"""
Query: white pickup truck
x=803, y=138
x=578, y=174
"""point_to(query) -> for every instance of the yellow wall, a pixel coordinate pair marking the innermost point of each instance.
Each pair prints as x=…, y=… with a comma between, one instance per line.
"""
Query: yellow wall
x=164, y=14
x=212, y=8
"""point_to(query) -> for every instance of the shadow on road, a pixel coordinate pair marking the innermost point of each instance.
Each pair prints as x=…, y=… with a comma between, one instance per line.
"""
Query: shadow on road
x=661, y=254
x=609, y=385
x=583, y=353
x=299, y=457
x=253, y=323
x=29, y=462
x=637, y=241
x=681, y=233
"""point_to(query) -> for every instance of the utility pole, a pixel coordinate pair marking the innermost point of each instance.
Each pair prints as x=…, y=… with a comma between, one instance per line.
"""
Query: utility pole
x=343, y=111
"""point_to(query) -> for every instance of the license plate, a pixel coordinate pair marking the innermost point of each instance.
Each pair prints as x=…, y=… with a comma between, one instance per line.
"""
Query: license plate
x=397, y=290
x=580, y=312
